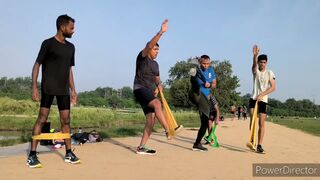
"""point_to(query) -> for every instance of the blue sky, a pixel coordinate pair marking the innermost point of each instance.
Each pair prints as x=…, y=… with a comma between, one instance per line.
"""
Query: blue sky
x=109, y=34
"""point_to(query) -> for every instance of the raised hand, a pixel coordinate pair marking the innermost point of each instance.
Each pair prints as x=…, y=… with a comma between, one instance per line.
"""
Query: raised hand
x=164, y=26
x=255, y=50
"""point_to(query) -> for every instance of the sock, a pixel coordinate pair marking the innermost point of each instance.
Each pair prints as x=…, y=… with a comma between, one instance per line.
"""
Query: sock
x=68, y=151
x=32, y=153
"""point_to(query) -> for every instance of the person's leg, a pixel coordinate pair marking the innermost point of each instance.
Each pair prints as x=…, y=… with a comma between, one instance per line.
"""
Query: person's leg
x=65, y=126
x=42, y=118
x=46, y=101
x=150, y=120
x=64, y=112
x=150, y=103
x=262, y=117
x=217, y=113
x=197, y=146
x=210, y=125
x=262, y=109
x=156, y=105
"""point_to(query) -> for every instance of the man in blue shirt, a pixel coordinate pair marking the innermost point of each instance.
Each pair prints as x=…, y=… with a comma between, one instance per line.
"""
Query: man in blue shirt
x=206, y=79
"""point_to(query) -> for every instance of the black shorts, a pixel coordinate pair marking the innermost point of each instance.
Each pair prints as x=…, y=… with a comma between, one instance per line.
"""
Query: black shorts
x=63, y=101
x=144, y=96
x=262, y=106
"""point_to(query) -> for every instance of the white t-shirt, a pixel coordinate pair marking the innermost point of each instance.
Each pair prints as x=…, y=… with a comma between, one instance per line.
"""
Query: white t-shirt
x=261, y=82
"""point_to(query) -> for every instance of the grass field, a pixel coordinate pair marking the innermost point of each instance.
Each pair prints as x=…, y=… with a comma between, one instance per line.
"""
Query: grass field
x=309, y=125
x=18, y=118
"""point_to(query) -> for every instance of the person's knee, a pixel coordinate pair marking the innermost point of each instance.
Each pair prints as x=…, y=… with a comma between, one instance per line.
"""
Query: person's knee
x=42, y=118
x=156, y=103
x=65, y=121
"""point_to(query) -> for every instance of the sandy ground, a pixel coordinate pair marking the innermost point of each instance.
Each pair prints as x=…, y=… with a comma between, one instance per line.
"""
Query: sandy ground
x=116, y=158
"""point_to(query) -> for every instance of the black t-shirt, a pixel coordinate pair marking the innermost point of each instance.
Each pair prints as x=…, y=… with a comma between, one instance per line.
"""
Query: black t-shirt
x=146, y=72
x=56, y=59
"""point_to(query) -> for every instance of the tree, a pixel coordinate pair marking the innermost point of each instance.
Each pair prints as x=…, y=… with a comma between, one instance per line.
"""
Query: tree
x=16, y=88
x=227, y=83
x=127, y=92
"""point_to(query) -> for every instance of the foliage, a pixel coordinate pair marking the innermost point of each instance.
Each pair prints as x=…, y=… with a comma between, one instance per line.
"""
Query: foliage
x=108, y=97
x=16, y=88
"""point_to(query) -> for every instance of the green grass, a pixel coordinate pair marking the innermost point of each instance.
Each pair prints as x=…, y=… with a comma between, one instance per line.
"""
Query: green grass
x=20, y=116
x=308, y=125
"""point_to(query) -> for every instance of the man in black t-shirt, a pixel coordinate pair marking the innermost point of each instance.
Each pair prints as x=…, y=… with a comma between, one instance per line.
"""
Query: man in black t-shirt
x=56, y=56
x=146, y=81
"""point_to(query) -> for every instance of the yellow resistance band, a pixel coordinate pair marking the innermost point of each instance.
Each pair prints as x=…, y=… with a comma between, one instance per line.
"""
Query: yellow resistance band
x=47, y=136
x=253, y=130
x=171, y=121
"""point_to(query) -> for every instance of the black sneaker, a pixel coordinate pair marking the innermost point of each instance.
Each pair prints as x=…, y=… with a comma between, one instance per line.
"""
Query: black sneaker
x=146, y=151
x=178, y=128
x=199, y=147
x=260, y=149
x=71, y=158
x=207, y=141
x=33, y=162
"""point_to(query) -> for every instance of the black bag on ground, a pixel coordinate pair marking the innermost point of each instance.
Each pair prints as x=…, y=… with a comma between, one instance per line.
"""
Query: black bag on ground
x=80, y=137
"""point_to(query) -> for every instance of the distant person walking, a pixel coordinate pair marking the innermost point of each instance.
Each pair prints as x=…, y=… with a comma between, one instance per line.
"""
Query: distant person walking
x=244, y=112
x=239, y=112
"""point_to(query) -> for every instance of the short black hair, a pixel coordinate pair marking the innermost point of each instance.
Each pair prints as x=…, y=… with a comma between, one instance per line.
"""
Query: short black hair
x=205, y=57
x=262, y=57
x=63, y=20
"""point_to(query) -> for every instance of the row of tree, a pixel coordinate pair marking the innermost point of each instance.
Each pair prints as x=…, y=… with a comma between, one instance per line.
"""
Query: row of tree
x=178, y=85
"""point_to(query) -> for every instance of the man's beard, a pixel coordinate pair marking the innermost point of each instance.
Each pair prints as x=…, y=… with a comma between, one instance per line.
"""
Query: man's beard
x=67, y=35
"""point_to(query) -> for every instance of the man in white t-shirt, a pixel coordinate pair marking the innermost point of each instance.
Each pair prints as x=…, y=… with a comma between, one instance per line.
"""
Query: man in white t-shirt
x=263, y=84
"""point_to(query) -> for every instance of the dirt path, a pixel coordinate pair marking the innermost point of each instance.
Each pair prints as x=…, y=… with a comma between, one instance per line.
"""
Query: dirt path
x=116, y=158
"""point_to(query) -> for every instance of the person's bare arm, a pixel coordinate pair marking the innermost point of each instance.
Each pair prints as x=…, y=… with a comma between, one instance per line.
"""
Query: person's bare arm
x=255, y=51
x=73, y=92
x=35, y=73
x=155, y=39
x=159, y=86
x=214, y=84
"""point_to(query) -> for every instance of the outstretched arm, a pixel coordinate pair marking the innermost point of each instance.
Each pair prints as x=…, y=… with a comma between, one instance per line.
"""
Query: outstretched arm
x=255, y=51
x=155, y=39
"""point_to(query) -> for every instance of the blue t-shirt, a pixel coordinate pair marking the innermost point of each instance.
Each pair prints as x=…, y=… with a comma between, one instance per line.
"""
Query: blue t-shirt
x=208, y=75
